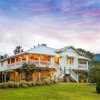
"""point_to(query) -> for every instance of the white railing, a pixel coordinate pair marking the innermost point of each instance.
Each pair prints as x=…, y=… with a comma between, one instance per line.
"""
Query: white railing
x=74, y=75
x=40, y=63
x=15, y=65
x=82, y=67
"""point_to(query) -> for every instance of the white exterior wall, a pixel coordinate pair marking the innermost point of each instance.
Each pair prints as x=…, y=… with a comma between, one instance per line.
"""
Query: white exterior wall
x=63, y=62
x=52, y=61
x=4, y=66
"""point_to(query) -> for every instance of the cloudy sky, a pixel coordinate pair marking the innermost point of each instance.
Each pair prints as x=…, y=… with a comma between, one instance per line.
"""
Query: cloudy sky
x=57, y=23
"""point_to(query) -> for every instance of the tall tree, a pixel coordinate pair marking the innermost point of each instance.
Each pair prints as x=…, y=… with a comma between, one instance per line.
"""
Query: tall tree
x=18, y=49
x=86, y=53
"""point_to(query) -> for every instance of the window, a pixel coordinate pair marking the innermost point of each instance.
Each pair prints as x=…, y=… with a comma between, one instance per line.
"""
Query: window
x=56, y=59
x=70, y=60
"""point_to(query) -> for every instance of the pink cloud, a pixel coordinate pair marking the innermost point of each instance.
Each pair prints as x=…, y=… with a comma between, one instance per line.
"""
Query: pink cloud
x=89, y=12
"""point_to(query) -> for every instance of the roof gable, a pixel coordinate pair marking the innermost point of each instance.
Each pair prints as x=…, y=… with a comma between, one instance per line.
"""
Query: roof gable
x=66, y=48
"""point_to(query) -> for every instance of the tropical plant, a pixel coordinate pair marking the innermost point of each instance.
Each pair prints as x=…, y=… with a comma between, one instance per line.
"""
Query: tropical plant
x=18, y=49
x=82, y=76
x=26, y=69
x=86, y=53
x=98, y=85
x=94, y=73
x=29, y=69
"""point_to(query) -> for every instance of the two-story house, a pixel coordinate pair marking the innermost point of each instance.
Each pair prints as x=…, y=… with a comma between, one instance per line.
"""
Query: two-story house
x=66, y=61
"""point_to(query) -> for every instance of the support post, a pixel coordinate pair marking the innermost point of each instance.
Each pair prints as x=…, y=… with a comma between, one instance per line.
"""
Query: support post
x=15, y=63
x=39, y=61
x=5, y=77
x=2, y=78
x=27, y=59
x=39, y=76
x=14, y=76
x=20, y=77
x=52, y=62
x=87, y=65
x=10, y=62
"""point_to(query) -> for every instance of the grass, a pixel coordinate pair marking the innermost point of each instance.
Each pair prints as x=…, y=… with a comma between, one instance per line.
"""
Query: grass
x=61, y=91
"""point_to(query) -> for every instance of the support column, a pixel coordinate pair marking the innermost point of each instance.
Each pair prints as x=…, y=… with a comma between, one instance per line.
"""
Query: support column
x=87, y=65
x=52, y=62
x=15, y=63
x=39, y=61
x=5, y=77
x=76, y=63
x=39, y=76
x=2, y=78
x=20, y=76
x=27, y=59
x=14, y=76
x=21, y=60
x=10, y=62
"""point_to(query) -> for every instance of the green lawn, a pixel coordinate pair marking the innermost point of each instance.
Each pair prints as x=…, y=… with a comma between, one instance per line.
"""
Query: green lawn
x=62, y=91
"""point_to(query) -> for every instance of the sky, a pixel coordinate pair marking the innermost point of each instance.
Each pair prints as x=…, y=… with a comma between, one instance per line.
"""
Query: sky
x=57, y=23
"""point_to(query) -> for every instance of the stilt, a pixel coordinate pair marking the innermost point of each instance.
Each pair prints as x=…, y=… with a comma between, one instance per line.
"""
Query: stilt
x=39, y=77
x=14, y=76
x=20, y=77
x=5, y=77
x=2, y=77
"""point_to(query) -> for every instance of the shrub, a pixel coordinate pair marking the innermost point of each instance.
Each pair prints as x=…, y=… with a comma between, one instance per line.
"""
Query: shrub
x=0, y=85
x=46, y=82
x=53, y=82
x=39, y=83
x=16, y=85
x=29, y=84
x=4, y=85
x=24, y=86
x=10, y=84
x=22, y=82
x=98, y=86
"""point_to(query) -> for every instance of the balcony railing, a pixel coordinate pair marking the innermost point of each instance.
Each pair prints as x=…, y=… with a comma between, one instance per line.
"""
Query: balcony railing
x=82, y=67
x=38, y=63
x=15, y=65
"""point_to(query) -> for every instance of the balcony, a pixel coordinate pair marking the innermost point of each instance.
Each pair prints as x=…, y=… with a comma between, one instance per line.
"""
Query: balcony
x=82, y=66
x=38, y=63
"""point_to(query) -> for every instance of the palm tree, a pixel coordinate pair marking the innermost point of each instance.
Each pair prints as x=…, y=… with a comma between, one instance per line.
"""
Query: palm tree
x=18, y=49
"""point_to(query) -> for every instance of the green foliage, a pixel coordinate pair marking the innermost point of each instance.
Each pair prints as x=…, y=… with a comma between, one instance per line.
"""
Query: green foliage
x=53, y=82
x=94, y=74
x=23, y=82
x=24, y=86
x=95, y=63
x=98, y=85
x=16, y=85
x=4, y=85
x=39, y=83
x=82, y=76
x=26, y=69
x=46, y=82
x=29, y=69
x=18, y=49
x=10, y=84
x=85, y=53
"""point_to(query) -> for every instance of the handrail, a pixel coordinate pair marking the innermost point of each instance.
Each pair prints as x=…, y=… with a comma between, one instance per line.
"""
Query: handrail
x=74, y=75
